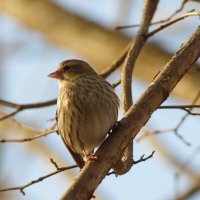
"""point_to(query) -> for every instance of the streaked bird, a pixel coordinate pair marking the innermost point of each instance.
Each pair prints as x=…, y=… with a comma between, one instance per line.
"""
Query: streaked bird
x=87, y=108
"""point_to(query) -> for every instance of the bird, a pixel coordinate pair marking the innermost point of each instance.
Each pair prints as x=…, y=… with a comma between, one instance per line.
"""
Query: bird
x=87, y=108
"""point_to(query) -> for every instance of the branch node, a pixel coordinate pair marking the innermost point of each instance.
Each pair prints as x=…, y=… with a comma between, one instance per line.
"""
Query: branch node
x=22, y=191
x=143, y=158
x=55, y=164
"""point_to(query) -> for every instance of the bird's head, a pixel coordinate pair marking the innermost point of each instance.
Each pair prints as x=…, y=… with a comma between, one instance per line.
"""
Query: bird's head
x=70, y=69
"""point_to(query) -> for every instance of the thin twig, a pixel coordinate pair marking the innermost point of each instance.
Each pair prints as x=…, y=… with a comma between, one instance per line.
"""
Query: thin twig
x=187, y=114
x=42, y=134
x=190, y=113
x=116, y=83
x=143, y=158
x=176, y=133
x=54, y=163
x=179, y=106
x=163, y=131
x=122, y=57
x=22, y=187
x=21, y=107
x=186, y=108
x=177, y=127
x=27, y=106
x=157, y=22
x=10, y=114
x=172, y=22
x=106, y=72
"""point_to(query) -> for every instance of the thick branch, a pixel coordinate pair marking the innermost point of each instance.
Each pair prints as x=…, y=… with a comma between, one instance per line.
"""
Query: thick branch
x=148, y=12
x=149, y=9
x=94, y=171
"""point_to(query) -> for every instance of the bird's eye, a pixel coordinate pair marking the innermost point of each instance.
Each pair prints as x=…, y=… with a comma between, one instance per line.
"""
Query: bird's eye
x=66, y=68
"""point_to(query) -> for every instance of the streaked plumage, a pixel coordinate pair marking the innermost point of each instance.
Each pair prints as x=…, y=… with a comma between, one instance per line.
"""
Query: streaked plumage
x=87, y=106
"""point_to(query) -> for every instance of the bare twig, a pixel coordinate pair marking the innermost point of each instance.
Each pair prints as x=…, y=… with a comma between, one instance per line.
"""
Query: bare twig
x=21, y=107
x=157, y=22
x=10, y=114
x=54, y=163
x=175, y=130
x=143, y=158
x=27, y=106
x=190, y=113
x=28, y=139
x=122, y=57
x=172, y=22
x=116, y=83
x=185, y=108
x=177, y=134
x=106, y=72
x=22, y=187
x=179, y=106
x=187, y=114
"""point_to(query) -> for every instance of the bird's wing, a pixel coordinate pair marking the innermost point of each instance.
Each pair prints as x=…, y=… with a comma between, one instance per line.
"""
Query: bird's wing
x=76, y=156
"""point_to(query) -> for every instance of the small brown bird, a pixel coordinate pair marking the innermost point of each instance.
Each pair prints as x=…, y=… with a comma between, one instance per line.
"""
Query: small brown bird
x=87, y=108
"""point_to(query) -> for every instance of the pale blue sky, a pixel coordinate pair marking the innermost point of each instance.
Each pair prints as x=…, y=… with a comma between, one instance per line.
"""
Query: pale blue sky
x=27, y=59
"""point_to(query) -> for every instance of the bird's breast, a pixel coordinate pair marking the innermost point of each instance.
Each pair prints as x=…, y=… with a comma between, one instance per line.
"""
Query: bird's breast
x=85, y=115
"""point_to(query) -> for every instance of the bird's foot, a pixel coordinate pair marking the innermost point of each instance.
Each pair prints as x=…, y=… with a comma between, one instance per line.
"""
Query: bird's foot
x=90, y=157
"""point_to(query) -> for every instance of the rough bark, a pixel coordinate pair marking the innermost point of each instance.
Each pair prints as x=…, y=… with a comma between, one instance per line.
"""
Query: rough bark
x=139, y=113
x=149, y=9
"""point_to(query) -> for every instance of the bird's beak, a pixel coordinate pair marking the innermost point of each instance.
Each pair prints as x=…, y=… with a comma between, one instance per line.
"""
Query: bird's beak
x=57, y=74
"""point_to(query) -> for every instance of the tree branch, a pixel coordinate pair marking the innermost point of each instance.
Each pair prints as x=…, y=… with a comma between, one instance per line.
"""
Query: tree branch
x=106, y=72
x=175, y=130
x=27, y=106
x=149, y=8
x=21, y=107
x=179, y=106
x=143, y=158
x=163, y=26
x=94, y=171
x=157, y=22
x=22, y=187
x=42, y=134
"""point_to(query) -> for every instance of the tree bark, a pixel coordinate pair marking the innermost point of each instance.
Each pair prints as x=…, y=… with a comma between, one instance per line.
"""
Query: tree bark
x=139, y=113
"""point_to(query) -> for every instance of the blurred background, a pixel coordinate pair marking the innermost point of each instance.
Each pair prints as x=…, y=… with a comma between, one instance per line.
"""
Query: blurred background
x=35, y=36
